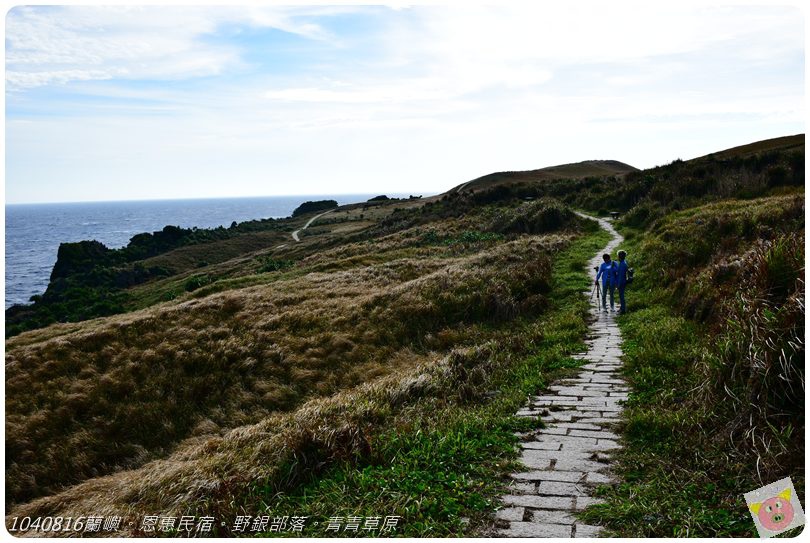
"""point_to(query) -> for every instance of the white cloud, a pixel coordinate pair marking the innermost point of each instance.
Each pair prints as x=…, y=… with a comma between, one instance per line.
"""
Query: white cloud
x=16, y=79
x=445, y=53
x=409, y=100
x=597, y=32
x=54, y=45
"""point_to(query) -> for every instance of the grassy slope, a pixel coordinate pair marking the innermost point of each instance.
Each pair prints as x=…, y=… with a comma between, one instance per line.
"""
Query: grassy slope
x=785, y=143
x=168, y=382
x=671, y=349
x=121, y=286
x=91, y=398
x=177, y=271
x=240, y=260
x=445, y=459
x=710, y=416
x=589, y=168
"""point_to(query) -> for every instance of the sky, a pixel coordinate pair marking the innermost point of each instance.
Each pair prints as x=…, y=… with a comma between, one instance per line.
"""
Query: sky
x=114, y=103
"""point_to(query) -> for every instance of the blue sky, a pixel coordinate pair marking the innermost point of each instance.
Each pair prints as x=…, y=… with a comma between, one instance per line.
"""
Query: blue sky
x=111, y=103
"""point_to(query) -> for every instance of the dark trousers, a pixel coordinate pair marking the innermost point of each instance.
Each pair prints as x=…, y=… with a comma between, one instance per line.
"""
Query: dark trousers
x=605, y=289
x=622, y=307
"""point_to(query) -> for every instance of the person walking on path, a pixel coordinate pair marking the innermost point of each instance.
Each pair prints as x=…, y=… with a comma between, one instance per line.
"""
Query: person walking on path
x=621, y=280
x=607, y=271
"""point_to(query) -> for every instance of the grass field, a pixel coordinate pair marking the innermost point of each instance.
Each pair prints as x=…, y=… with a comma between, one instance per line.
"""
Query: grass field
x=374, y=368
x=714, y=352
x=588, y=168
x=441, y=464
x=305, y=360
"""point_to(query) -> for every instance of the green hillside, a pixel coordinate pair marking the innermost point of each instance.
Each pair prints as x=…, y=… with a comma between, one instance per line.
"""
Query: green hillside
x=375, y=366
x=588, y=168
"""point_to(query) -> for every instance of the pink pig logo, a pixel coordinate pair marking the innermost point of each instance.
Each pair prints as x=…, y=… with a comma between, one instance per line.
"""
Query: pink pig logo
x=775, y=513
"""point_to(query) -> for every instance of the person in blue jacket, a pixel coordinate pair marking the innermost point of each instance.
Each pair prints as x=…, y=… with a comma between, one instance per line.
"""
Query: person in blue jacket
x=621, y=280
x=607, y=271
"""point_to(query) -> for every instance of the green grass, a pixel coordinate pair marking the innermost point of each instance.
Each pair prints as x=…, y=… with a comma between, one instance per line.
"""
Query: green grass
x=93, y=393
x=431, y=237
x=682, y=475
x=686, y=464
x=441, y=465
x=269, y=264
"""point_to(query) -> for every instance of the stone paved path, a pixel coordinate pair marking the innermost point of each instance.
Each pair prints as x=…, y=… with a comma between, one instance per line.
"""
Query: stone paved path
x=567, y=458
x=310, y=221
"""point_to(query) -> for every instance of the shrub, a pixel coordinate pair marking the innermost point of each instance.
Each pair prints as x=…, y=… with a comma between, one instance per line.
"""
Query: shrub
x=313, y=206
x=269, y=264
x=758, y=369
x=196, y=281
x=535, y=217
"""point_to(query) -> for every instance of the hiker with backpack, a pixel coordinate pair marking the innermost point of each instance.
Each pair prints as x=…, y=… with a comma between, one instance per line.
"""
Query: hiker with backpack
x=624, y=275
x=607, y=271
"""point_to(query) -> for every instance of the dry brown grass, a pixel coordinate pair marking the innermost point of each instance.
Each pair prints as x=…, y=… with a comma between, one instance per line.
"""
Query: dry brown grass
x=588, y=168
x=101, y=397
x=758, y=368
x=192, y=257
x=203, y=472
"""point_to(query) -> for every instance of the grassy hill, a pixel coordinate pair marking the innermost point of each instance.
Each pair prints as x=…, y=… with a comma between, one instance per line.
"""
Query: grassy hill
x=377, y=364
x=783, y=144
x=588, y=168
x=120, y=396
x=91, y=281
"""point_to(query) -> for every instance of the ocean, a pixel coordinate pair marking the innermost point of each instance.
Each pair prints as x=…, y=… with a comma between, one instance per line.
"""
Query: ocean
x=34, y=231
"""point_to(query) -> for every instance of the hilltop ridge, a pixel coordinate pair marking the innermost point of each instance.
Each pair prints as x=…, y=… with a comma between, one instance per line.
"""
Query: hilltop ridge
x=576, y=170
x=602, y=168
x=783, y=143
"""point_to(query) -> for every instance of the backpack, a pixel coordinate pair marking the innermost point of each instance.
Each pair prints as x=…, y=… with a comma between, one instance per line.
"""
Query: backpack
x=630, y=272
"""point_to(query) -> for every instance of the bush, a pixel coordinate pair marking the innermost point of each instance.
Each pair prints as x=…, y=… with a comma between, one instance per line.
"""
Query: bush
x=536, y=217
x=431, y=237
x=196, y=281
x=759, y=367
x=313, y=206
x=642, y=215
x=269, y=264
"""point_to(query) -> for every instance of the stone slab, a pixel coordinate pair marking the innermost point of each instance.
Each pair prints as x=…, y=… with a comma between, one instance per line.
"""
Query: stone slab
x=558, y=488
x=571, y=455
x=514, y=514
x=586, y=530
x=583, y=502
x=558, y=503
x=534, y=529
x=551, y=475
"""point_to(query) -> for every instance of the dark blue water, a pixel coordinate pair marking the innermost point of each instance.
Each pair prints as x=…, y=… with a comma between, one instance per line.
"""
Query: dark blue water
x=34, y=231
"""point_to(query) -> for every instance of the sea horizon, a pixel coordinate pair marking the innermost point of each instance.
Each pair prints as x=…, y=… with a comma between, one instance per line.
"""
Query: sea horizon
x=34, y=231
x=205, y=198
